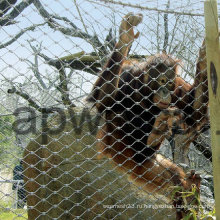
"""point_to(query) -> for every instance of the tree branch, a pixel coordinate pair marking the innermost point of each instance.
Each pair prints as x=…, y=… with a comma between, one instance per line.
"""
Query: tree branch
x=81, y=61
x=25, y=96
x=166, y=31
x=110, y=40
x=105, y=3
x=6, y=5
x=31, y=28
x=74, y=31
x=157, y=33
x=83, y=23
x=9, y=19
x=35, y=65
x=52, y=62
x=63, y=88
x=63, y=85
x=87, y=63
x=173, y=34
x=31, y=102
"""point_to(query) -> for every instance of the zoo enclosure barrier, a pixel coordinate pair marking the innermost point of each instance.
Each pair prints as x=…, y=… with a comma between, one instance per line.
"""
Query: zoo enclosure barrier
x=51, y=55
x=13, y=196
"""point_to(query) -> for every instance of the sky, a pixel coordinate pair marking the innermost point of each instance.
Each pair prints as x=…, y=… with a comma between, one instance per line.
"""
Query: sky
x=98, y=18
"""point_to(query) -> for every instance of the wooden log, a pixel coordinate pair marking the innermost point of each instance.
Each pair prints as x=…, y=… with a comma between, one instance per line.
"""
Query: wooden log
x=213, y=65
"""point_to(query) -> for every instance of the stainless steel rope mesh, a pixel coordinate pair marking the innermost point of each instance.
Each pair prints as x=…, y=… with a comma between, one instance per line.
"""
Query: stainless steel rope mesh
x=51, y=163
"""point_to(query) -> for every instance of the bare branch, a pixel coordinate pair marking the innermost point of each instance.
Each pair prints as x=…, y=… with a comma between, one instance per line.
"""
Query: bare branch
x=31, y=102
x=52, y=62
x=72, y=56
x=173, y=34
x=5, y=5
x=166, y=31
x=74, y=31
x=63, y=88
x=52, y=83
x=80, y=61
x=70, y=74
x=31, y=28
x=158, y=35
x=83, y=23
x=9, y=19
x=175, y=48
x=182, y=44
x=25, y=96
x=35, y=65
x=111, y=40
x=103, y=3
x=88, y=64
x=64, y=19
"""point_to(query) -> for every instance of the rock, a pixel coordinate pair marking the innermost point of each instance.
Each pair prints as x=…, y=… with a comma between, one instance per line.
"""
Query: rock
x=64, y=180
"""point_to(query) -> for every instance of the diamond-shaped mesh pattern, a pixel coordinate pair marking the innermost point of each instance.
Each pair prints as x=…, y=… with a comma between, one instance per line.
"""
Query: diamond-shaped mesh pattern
x=93, y=124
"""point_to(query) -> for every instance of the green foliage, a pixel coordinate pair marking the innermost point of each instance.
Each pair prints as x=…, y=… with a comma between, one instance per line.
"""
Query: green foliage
x=8, y=213
x=7, y=139
x=196, y=210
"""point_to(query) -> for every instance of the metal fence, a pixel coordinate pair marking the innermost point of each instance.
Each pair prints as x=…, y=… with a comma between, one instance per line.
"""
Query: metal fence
x=95, y=124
